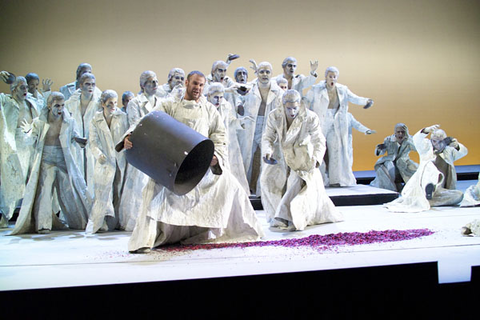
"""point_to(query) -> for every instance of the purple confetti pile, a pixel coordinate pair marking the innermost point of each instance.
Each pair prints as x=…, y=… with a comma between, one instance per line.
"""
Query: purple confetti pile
x=319, y=242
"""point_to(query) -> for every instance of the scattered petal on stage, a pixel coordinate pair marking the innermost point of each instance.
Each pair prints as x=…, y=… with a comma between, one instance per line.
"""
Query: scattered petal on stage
x=318, y=242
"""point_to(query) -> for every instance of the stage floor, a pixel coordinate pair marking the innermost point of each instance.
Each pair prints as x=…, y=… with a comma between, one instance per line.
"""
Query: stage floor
x=71, y=258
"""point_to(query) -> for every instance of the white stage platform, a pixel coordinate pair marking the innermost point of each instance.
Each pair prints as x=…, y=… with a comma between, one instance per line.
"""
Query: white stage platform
x=72, y=259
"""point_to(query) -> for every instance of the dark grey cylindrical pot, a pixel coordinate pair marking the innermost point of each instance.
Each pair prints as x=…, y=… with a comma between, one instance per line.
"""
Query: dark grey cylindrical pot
x=170, y=152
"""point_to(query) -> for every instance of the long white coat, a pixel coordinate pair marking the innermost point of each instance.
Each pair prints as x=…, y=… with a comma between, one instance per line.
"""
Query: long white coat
x=15, y=154
x=76, y=220
x=216, y=209
x=357, y=125
x=300, y=82
x=253, y=100
x=338, y=153
x=232, y=124
x=413, y=197
x=135, y=180
x=296, y=194
x=102, y=142
x=83, y=127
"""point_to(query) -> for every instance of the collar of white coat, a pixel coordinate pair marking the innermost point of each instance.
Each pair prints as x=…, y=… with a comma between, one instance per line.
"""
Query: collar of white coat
x=273, y=88
x=99, y=115
x=321, y=87
x=194, y=104
x=296, y=76
x=144, y=102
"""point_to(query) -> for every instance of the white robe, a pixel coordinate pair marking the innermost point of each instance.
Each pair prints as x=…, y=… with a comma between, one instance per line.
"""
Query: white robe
x=335, y=129
x=83, y=156
x=353, y=124
x=217, y=209
x=69, y=89
x=15, y=155
x=246, y=137
x=471, y=197
x=300, y=82
x=135, y=180
x=413, y=196
x=109, y=176
x=232, y=124
x=292, y=189
x=76, y=213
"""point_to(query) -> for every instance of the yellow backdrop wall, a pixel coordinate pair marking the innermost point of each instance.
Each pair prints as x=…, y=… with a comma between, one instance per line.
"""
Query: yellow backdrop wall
x=419, y=60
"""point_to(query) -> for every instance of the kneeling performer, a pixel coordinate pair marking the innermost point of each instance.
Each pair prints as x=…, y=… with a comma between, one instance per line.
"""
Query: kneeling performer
x=217, y=209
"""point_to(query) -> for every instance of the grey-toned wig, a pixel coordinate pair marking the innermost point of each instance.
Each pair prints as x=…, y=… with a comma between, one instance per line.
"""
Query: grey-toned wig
x=332, y=69
x=17, y=82
x=173, y=72
x=80, y=67
x=144, y=78
x=438, y=134
x=263, y=64
x=216, y=87
x=32, y=76
x=287, y=60
x=291, y=96
x=86, y=76
x=403, y=126
x=238, y=70
x=127, y=94
x=282, y=80
x=54, y=96
x=108, y=94
x=217, y=63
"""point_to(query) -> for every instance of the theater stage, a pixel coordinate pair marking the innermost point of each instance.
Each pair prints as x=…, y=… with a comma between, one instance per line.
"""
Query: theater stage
x=71, y=259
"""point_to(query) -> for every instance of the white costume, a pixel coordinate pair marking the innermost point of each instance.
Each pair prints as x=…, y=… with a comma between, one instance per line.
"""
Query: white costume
x=69, y=89
x=40, y=100
x=235, y=98
x=232, y=124
x=413, y=197
x=396, y=162
x=109, y=176
x=471, y=197
x=164, y=91
x=292, y=189
x=216, y=209
x=15, y=155
x=353, y=124
x=53, y=170
x=83, y=156
x=299, y=81
x=227, y=82
x=334, y=124
x=135, y=180
x=251, y=138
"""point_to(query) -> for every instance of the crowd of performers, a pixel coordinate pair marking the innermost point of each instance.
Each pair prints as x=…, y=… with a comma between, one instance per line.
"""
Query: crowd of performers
x=283, y=139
